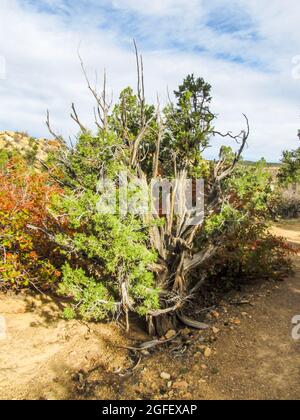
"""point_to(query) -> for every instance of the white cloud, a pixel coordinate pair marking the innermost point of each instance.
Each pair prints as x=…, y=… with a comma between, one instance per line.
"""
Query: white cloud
x=158, y=7
x=43, y=71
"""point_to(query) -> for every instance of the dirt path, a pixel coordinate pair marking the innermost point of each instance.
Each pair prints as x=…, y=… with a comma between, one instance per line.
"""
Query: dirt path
x=260, y=359
x=249, y=354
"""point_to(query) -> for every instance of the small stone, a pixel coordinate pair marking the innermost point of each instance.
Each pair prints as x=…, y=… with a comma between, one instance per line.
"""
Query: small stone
x=154, y=386
x=165, y=376
x=216, y=330
x=207, y=352
x=202, y=381
x=215, y=314
x=77, y=377
x=185, y=331
x=180, y=385
x=169, y=385
x=204, y=367
x=170, y=334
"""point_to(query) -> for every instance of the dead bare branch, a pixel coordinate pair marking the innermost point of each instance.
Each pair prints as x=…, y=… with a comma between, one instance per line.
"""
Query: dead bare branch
x=75, y=118
x=103, y=105
x=52, y=132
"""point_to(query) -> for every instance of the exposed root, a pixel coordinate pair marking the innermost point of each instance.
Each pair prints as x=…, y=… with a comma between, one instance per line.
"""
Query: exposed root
x=192, y=323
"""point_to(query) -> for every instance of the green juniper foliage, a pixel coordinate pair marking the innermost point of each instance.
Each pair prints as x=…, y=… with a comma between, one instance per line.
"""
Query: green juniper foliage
x=105, y=251
x=189, y=125
x=290, y=170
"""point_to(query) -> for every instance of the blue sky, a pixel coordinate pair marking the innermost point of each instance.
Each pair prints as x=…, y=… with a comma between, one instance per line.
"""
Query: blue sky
x=243, y=48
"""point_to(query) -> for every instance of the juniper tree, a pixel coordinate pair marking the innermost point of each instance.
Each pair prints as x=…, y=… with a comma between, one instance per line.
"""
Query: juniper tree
x=142, y=262
x=290, y=169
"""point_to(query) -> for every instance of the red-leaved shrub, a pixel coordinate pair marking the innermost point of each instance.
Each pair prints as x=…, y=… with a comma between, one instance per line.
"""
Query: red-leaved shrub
x=27, y=256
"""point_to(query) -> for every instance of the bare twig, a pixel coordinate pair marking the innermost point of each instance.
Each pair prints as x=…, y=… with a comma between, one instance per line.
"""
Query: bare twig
x=51, y=131
x=75, y=117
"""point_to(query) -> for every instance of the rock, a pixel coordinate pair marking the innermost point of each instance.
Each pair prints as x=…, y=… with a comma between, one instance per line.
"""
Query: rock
x=180, y=385
x=207, y=352
x=50, y=396
x=165, y=376
x=154, y=386
x=185, y=331
x=204, y=367
x=216, y=330
x=170, y=334
x=77, y=377
x=170, y=383
x=215, y=314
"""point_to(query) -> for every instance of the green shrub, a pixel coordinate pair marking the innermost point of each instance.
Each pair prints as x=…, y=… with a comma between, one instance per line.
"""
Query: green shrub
x=249, y=249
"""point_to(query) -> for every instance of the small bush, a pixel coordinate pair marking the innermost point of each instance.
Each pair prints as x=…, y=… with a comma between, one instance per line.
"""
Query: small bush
x=288, y=202
x=27, y=254
x=252, y=254
x=249, y=250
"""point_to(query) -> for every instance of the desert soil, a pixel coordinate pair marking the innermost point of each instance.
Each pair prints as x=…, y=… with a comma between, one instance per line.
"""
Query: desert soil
x=248, y=353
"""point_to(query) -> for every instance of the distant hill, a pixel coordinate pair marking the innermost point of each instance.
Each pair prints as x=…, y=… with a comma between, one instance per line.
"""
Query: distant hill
x=270, y=164
x=33, y=149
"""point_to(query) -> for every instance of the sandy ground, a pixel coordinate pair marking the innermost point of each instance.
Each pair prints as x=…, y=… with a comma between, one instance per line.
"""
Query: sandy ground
x=248, y=354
